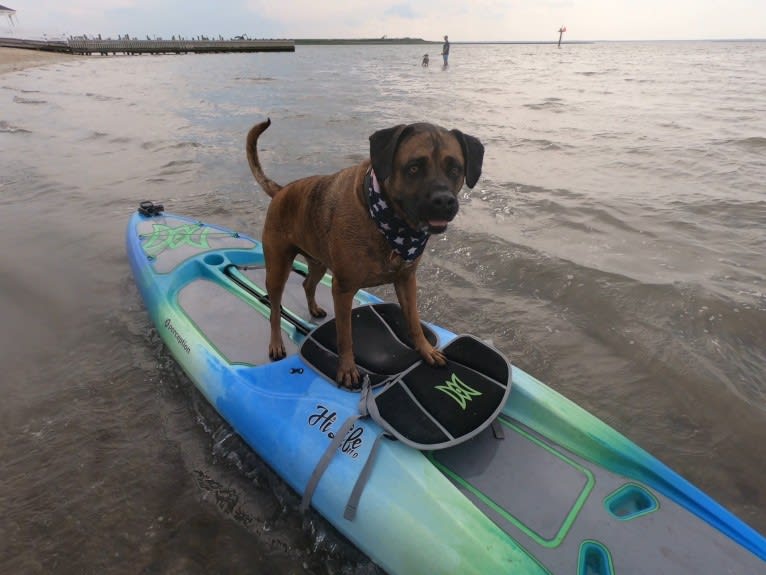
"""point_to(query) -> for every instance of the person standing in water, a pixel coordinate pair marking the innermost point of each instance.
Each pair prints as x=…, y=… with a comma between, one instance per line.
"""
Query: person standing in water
x=445, y=51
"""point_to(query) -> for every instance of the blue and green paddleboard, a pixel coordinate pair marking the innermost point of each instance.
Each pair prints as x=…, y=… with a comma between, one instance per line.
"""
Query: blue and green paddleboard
x=526, y=482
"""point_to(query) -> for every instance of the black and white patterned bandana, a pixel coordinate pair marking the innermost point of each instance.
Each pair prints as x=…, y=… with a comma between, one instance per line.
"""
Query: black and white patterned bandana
x=405, y=241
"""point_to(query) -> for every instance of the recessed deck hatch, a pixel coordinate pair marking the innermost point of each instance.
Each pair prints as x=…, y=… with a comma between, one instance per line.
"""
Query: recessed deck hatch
x=519, y=482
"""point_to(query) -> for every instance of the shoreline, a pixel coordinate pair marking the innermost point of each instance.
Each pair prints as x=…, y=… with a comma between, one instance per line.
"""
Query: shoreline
x=17, y=59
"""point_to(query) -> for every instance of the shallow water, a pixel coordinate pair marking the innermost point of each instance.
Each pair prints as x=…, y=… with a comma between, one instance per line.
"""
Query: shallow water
x=613, y=248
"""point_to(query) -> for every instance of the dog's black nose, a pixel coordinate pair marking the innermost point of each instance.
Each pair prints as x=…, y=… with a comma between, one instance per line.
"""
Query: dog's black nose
x=444, y=204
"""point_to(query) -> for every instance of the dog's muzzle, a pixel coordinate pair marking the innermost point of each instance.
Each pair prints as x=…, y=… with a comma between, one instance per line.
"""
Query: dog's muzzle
x=438, y=210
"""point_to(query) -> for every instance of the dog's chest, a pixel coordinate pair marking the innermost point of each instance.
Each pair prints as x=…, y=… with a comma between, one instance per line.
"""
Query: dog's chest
x=388, y=269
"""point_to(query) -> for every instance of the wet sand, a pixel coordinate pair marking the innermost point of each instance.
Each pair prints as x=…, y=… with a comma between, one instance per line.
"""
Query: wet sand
x=16, y=59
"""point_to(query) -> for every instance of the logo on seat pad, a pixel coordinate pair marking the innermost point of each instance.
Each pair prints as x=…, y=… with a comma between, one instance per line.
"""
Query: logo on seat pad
x=458, y=391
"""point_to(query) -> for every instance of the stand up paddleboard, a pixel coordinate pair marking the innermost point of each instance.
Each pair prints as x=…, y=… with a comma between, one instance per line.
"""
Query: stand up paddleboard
x=474, y=468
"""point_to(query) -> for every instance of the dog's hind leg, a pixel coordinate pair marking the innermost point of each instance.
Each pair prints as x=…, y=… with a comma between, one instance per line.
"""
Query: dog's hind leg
x=279, y=262
x=315, y=275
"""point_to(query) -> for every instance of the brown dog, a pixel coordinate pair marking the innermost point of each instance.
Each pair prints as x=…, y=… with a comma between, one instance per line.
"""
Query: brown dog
x=368, y=224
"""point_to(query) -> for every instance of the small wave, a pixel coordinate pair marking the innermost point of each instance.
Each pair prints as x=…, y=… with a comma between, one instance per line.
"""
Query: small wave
x=102, y=98
x=673, y=126
x=184, y=145
x=751, y=143
x=173, y=168
x=157, y=146
x=609, y=135
x=538, y=144
x=95, y=135
x=589, y=73
x=20, y=100
x=6, y=128
x=175, y=163
x=253, y=79
x=552, y=104
x=743, y=215
x=640, y=150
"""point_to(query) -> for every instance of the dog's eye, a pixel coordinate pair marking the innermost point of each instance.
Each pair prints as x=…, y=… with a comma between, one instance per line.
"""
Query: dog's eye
x=455, y=171
x=413, y=169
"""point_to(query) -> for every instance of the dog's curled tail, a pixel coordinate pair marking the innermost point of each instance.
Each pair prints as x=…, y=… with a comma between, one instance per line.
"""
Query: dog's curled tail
x=269, y=186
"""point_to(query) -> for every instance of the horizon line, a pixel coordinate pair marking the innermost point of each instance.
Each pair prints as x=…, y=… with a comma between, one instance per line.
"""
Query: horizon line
x=414, y=40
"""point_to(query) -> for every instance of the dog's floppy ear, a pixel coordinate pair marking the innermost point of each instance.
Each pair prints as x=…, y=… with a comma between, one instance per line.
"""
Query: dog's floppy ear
x=473, y=154
x=383, y=144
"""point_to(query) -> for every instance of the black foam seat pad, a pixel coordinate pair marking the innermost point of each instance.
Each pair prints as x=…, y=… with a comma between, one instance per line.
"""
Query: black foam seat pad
x=436, y=407
x=382, y=347
x=426, y=407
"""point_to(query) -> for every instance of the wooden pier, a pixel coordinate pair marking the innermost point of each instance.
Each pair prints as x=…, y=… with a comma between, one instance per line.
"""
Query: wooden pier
x=127, y=46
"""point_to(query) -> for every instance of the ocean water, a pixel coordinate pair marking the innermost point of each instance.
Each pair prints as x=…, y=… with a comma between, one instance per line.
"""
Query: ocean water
x=613, y=247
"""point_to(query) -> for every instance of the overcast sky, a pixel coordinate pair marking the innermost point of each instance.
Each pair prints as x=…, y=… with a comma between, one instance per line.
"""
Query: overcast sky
x=463, y=20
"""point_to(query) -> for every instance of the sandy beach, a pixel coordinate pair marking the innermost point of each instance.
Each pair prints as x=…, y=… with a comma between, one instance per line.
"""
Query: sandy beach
x=15, y=59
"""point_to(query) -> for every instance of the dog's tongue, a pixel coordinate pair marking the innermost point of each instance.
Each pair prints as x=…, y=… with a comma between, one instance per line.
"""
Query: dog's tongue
x=438, y=223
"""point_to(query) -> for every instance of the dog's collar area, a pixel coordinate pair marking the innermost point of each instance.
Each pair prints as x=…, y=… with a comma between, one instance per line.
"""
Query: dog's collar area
x=404, y=241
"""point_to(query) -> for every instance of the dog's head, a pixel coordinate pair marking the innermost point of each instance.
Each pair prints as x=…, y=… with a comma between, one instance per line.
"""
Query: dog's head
x=422, y=168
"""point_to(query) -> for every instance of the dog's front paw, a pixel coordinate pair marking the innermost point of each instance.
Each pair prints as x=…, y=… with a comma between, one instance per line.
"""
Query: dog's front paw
x=432, y=355
x=277, y=350
x=348, y=374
